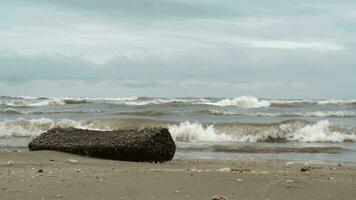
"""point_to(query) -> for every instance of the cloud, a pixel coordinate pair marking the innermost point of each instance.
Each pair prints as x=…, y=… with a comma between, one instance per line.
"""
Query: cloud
x=203, y=47
x=295, y=45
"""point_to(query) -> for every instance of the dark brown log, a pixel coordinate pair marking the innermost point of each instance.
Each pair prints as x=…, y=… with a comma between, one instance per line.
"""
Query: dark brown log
x=140, y=145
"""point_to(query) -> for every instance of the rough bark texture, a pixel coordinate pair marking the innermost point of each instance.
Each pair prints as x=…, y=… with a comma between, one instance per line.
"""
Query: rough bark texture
x=140, y=145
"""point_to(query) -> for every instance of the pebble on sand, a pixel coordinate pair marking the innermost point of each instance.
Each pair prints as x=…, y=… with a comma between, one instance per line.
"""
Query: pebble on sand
x=218, y=197
x=10, y=162
x=73, y=161
x=305, y=169
x=226, y=169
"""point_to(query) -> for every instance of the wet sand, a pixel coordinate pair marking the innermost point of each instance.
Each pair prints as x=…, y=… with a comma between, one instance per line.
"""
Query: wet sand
x=55, y=175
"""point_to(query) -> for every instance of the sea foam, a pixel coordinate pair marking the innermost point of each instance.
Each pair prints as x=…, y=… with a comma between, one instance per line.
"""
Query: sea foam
x=33, y=128
x=322, y=114
x=322, y=131
x=244, y=102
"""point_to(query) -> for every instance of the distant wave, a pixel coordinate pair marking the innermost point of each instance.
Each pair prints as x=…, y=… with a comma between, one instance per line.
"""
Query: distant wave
x=242, y=101
x=145, y=113
x=336, y=114
x=306, y=102
x=42, y=112
x=41, y=102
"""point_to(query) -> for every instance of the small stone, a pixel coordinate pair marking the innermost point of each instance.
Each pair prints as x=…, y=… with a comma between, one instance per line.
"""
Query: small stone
x=40, y=170
x=239, y=180
x=305, y=169
x=218, y=197
x=340, y=165
x=73, y=161
x=177, y=191
x=59, y=196
x=226, y=169
x=331, y=178
x=289, y=181
x=10, y=162
x=289, y=163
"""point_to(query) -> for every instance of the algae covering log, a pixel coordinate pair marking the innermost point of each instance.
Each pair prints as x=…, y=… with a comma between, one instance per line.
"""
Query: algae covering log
x=140, y=145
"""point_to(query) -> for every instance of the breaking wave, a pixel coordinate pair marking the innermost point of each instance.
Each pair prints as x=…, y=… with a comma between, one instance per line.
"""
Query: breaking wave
x=336, y=114
x=33, y=128
x=41, y=102
x=293, y=130
x=244, y=102
x=46, y=112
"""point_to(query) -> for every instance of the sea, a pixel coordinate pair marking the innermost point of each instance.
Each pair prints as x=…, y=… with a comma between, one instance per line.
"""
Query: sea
x=221, y=128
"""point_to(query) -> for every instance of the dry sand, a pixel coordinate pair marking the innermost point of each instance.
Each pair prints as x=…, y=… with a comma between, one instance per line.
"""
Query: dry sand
x=55, y=175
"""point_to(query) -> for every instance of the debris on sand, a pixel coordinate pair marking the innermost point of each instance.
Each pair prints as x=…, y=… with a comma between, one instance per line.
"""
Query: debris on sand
x=241, y=170
x=218, y=197
x=225, y=169
x=10, y=162
x=73, y=161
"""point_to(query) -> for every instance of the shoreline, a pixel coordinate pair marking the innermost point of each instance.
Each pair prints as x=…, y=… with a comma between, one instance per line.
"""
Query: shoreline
x=56, y=175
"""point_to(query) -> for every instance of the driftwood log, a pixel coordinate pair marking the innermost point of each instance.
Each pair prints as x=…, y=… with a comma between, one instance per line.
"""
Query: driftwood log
x=140, y=145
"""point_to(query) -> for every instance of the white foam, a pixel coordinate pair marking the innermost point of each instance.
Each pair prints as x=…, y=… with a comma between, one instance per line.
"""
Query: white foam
x=191, y=132
x=319, y=132
x=339, y=114
x=32, y=128
x=339, y=102
x=154, y=102
x=243, y=101
x=32, y=103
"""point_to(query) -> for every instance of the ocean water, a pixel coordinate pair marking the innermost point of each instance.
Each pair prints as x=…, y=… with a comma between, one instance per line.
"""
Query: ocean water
x=199, y=125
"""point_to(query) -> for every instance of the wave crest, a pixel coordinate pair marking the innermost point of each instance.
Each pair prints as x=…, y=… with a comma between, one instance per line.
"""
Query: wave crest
x=293, y=130
x=33, y=128
x=244, y=102
x=338, y=114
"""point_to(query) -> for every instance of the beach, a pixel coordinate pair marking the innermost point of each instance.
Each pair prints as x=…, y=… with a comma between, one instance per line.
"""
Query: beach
x=56, y=175
x=243, y=148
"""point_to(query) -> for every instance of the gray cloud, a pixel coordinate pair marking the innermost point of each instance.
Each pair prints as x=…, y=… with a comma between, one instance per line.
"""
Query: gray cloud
x=206, y=48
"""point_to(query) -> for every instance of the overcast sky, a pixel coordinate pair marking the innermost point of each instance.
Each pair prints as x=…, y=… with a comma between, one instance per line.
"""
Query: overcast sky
x=225, y=48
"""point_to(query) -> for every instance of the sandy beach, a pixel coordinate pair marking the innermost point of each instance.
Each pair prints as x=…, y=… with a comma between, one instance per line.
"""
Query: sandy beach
x=55, y=175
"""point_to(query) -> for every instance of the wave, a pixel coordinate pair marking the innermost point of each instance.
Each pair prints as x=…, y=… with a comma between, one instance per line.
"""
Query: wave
x=244, y=102
x=33, y=128
x=259, y=149
x=336, y=114
x=41, y=102
x=158, y=101
x=293, y=130
x=308, y=102
x=145, y=113
x=338, y=102
x=285, y=131
x=46, y=112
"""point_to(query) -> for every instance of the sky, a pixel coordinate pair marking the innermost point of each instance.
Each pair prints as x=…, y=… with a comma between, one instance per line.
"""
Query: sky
x=178, y=48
